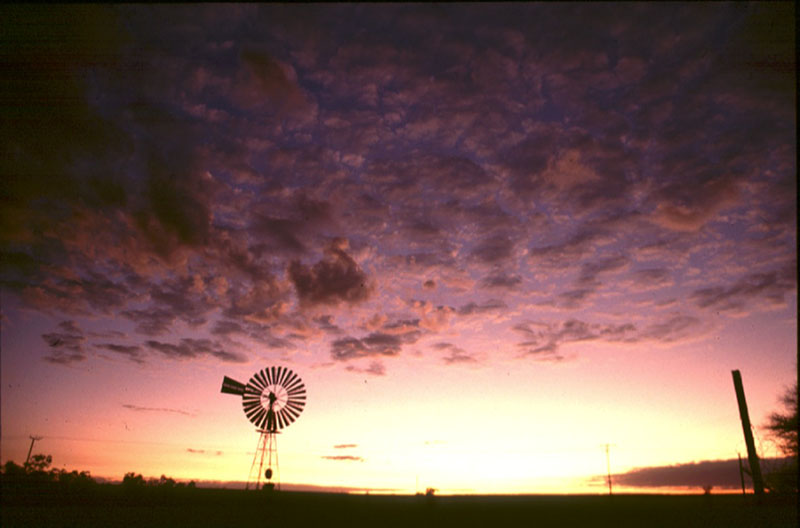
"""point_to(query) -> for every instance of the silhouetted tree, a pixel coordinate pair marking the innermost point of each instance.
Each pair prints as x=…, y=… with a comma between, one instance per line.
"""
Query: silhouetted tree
x=132, y=481
x=38, y=463
x=782, y=427
x=35, y=481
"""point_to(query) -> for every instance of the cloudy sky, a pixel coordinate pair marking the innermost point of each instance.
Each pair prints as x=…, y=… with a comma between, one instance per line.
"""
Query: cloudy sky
x=491, y=239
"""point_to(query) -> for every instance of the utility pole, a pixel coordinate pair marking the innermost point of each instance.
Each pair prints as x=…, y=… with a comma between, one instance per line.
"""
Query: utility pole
x=33, y=439
x=608, y=468
x=752, y=456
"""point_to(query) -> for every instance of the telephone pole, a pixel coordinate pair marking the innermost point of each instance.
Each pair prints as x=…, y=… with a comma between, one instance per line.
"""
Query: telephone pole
x=608, y=468
x=33, y=439
x=752, y=456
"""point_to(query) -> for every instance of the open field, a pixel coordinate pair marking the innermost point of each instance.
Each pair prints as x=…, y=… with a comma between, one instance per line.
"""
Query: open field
x=111, y=506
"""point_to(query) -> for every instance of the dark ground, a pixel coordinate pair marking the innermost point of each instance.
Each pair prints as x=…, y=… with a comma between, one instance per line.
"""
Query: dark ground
x=108, y=505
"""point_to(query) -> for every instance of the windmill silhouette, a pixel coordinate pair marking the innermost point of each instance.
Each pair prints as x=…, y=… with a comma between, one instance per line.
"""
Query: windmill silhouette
x=272, y=399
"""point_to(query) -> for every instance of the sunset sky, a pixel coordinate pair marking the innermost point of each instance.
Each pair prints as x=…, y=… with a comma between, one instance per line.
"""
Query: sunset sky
x=491, y=239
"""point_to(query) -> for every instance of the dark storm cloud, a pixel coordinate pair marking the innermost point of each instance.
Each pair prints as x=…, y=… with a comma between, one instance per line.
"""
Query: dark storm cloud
x=722, y=474
x=132, y=352
x=139, y=408
x=203, y=452
x=473, y=308
x=590, y=271
x=675, y=328
x=574, y=299
x=501, y=280
x=545, y=339
x=47, y=121
x=288, y=234
x=588, y=283
x=494, y=249
x=179, y=205
x=272, y=80
x=183, y=298
x=566, y=253
x=375, y=368
x=261, y=302
x=226, y=328
x=388, y=340
x=771, y=286
x=650, y=278
x=455, y=354
x=335, y=279
x=172, y=166
x=375, y=344
x=344, y=458
x=66, y=346
x=150, y=322
x=189, y=348
x=326, y=323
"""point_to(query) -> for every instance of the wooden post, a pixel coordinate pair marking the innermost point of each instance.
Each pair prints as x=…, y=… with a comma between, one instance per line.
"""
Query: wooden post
x=33, y=439
x=752, y=456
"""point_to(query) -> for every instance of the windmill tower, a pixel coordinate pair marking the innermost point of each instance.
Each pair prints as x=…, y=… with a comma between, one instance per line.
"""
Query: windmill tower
x=272, y=399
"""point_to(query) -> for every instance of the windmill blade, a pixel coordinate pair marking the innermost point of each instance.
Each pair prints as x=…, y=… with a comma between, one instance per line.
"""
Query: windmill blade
x=291, y=413
x=296, y=398
x=294, y=409
x=262, y=377
x=290, y=376
x=254, y=385
x=231, y=386
x=281, y=424
x=294, y=383
x=297, y=392
x=251, y=398
x=253, y=413
x=295, y=386
x=250, y=407
x=256, y=415
x=282, y=376
x=252, y=391
x=290, y=379
x=301, y=396
x=290, y=416
x=274, y=377
x=298, y=408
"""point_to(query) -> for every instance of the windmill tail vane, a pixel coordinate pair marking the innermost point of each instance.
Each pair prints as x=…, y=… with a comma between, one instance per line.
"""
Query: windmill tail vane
x=231, y=386
x=272, y=399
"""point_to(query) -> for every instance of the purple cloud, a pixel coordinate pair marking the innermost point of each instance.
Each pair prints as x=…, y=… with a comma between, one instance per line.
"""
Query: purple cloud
x=337, y=278
x=65, y=346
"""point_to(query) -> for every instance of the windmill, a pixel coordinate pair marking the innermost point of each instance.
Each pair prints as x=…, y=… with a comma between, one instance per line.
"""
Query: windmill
x=272, y=399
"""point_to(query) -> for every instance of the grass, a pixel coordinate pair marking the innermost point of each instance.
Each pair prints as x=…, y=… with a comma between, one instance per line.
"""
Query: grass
x=109, y=505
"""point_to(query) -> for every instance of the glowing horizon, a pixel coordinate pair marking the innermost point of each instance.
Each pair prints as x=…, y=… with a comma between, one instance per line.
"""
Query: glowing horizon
x=491, y=239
